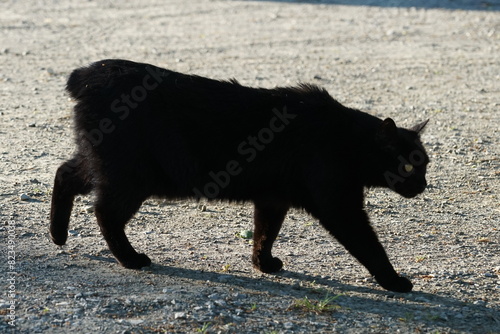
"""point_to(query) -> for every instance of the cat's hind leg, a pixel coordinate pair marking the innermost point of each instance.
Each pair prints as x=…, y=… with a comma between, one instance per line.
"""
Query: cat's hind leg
x=114, y=207
x=268, y=218
x=70, y=181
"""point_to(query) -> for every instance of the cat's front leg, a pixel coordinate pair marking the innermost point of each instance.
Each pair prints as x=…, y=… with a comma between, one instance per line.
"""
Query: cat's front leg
x=352, y=229
x=268, y=218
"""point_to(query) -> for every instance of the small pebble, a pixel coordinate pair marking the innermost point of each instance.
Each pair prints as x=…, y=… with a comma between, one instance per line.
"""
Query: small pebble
x=179, y=315
x=224, y=278
x=237, y=318
x=246, y=234
x=422, y=299
x=214, y=296
x=220, y=302
x=135, y=321
x=25, y=197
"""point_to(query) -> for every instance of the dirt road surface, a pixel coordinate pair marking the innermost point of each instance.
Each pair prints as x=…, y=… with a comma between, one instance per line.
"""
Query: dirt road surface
x=438, y=60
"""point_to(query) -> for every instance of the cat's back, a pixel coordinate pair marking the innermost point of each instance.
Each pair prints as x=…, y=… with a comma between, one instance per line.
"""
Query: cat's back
x=146, y=95
x=103, y=78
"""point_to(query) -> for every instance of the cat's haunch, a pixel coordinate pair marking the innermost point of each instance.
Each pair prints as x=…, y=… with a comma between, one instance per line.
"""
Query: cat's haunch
x=144, y=131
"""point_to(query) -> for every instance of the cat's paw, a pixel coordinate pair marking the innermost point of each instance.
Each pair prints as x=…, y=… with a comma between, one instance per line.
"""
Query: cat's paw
x=396, y=284
x=59, y=237
x=136, y=262
x=270, y=265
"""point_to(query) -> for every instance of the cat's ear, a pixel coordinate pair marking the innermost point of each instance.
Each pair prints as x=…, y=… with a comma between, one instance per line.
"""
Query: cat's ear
x=419, y=127
x=387, y=134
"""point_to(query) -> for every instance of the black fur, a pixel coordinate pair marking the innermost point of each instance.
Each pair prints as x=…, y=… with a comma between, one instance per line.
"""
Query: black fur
x=145, y=131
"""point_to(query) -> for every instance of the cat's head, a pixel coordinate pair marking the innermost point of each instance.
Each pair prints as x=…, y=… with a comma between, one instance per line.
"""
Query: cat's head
x=403, y=161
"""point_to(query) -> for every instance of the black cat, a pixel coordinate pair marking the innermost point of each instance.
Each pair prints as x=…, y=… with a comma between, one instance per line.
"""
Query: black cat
x=145, y=131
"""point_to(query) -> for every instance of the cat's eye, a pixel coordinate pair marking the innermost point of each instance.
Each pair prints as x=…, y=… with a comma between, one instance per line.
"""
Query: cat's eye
x=409, y=168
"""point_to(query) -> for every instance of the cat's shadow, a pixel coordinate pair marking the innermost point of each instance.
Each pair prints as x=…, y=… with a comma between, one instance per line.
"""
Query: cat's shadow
x=356, y=298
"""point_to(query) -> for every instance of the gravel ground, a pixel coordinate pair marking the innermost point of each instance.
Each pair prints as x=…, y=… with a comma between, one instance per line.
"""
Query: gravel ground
x=440, y=60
